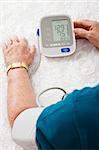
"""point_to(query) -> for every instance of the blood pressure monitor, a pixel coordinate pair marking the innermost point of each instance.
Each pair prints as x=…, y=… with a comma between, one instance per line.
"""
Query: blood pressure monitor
x=57, y=36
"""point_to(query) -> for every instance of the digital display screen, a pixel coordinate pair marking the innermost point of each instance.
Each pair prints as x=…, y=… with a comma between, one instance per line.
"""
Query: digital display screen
x=61, y=30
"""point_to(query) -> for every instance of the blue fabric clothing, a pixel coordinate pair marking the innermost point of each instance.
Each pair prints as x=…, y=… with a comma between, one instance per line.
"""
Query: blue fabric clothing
x=72, y=123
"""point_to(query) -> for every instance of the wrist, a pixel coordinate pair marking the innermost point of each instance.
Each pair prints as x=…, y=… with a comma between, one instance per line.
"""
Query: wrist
x=17, y=73
x=16, y=66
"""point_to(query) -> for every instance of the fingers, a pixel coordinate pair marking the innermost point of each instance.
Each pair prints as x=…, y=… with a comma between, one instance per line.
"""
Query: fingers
x=14, y=39
x=9, y=42
x=85, y=24
x=33, y=50
x=81, y=33
x=4, y=46
x=23, y=40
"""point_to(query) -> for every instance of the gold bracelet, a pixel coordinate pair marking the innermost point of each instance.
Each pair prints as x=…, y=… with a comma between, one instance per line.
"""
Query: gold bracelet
x=17, y=65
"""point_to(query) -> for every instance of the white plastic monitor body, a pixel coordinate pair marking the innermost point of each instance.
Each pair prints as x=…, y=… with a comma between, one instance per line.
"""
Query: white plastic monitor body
x=49, y=43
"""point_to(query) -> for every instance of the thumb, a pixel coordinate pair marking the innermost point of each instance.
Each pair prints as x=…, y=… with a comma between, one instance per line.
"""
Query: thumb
x=80, y=33
x=33, y=50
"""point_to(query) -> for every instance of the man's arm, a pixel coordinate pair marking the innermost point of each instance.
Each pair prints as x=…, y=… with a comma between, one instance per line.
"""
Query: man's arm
x=20, y=93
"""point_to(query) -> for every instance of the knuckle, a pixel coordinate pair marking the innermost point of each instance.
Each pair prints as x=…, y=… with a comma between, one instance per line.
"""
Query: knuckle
x=95, y=22
x=24, y=41
x=76, y=30
x=90, y=35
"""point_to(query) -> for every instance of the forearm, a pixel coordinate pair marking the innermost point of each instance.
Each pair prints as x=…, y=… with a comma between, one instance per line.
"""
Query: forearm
x=20, y=93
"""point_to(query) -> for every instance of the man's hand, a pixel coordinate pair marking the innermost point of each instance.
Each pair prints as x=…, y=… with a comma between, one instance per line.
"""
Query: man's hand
x=89, y=30
x=17, y=50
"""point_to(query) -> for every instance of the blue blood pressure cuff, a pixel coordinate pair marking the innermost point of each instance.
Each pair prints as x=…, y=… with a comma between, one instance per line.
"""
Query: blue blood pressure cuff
x=72, y=123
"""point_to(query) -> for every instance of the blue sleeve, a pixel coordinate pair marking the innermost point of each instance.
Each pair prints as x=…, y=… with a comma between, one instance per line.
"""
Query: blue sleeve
x=65, y=125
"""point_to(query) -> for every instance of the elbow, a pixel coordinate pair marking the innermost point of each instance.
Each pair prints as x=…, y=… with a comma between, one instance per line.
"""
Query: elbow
x=14, y=113
x=14, y=109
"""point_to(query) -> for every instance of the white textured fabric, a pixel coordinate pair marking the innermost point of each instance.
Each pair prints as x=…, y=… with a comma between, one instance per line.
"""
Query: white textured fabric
x=24, y=128
x=79, y=70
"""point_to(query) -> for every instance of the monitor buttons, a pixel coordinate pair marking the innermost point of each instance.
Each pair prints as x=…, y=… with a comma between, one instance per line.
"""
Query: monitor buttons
x=68, y=43
x=58, y=44
x=62, y=44
x=51, y=45
x=65, y=50
x=55, y=44
x=46, y=45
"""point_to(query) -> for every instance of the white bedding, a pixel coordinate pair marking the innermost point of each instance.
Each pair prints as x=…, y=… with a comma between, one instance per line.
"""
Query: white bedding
x=77, y=71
